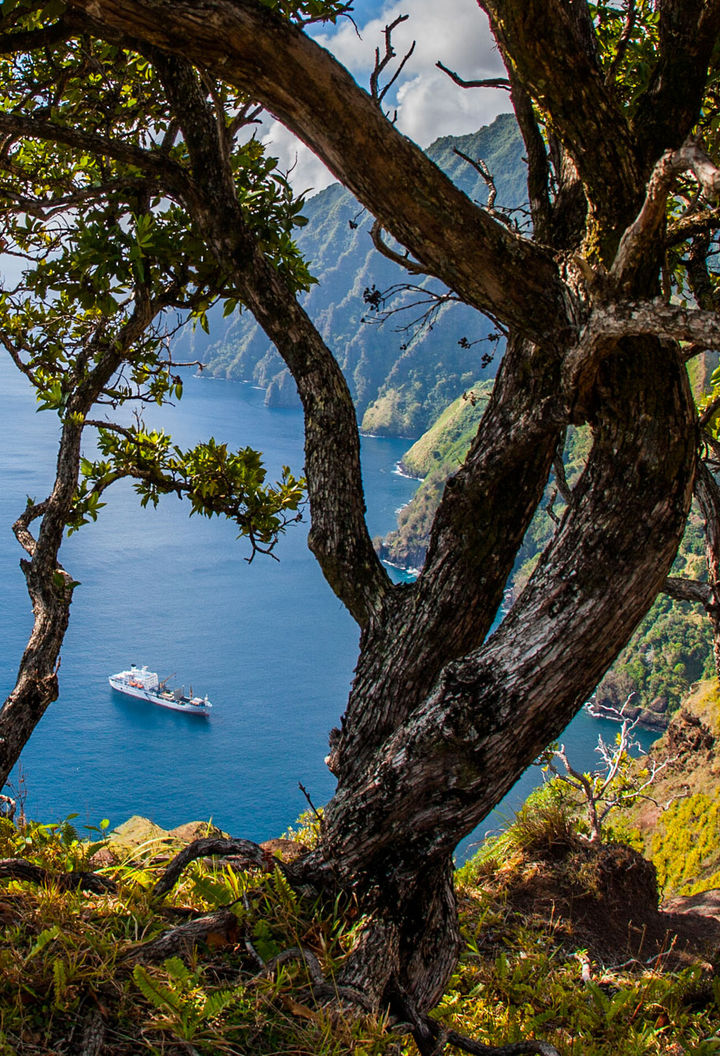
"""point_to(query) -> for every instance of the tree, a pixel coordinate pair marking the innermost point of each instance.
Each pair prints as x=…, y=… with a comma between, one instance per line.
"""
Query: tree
x=111, y=271
x=617, y=107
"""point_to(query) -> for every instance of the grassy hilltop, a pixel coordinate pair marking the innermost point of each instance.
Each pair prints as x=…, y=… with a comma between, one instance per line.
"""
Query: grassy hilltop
x=561, y=940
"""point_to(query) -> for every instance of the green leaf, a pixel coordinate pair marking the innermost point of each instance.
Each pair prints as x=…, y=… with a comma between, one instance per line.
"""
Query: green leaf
x=44, y=938
x=158, y=995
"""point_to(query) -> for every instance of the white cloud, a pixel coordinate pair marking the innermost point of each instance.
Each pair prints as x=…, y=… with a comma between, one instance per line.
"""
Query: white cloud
x=428, y=103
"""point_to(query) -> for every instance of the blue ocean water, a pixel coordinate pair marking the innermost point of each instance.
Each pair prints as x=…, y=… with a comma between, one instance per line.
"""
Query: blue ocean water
x=268, y=641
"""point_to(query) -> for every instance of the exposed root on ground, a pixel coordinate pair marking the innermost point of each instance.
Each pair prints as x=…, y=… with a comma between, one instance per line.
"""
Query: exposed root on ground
x=432, y=1037
x=244, y=852
x=21, y=869
x=220, y=928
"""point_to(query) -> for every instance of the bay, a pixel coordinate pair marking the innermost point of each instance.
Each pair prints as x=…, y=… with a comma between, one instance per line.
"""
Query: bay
x=267, y=641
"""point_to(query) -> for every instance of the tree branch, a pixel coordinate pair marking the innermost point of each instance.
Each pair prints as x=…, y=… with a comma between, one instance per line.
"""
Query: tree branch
x=250, y=853
x=585, y=114
x=692, y=223
x=153, y=163
x=397, y=258
x=376, y=92
x=630, y=318
x=641, y=236
x=687, y=590
x=13, y=43
x=487, y=82
x=537, y=155
x=670, y=106
x=623, y=42
x=314, y=96
x=517, y=691
x=20, y=869
x=338, y=536
x=221, y=925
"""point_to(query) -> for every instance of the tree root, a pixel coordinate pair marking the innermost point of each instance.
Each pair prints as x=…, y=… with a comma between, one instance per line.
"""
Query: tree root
x=20, y=869
x=249, y=853
x=221, y=928
x=432, y=1038
x=217, y=929
x=93, y=1036
x=295, y=953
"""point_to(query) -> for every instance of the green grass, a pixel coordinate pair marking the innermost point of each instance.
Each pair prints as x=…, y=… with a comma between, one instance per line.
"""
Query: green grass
x=67, y=962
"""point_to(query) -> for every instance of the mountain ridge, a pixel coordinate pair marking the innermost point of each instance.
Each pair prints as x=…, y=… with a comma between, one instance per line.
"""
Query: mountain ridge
x=400, y=380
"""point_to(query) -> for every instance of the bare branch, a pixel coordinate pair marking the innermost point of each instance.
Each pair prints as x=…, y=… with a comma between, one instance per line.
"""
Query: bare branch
x=609, y=322
x=701, y=284
x=486, y=82
x=294, y=953
x=17, y=42
x=561, y=479
x=538, y=181
x=692, y=223
x=641, y=234
x=687, y=590
x=222, y=925
x=397, y=258
x=480, y=167
x=20, y=869
x=376, y=92
x=249, y=115
x=655, y=317
x=320, y=100
x=623, y=42
x=21, y=525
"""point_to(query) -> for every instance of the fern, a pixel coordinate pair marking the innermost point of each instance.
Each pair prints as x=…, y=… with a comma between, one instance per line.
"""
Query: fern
x=283, y=890
x=59, y=980
x=180, y=973
x=212, y=891
x=44, y=938
x=216, y=1003
x=159, y=996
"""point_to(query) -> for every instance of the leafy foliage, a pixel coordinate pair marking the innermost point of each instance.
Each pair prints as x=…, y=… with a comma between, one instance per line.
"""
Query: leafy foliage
x=305, y=11
x=686, y=845
x=216, y=481
x=671, y=649
x=113, y=267
x=59, y=949
x=63, y=953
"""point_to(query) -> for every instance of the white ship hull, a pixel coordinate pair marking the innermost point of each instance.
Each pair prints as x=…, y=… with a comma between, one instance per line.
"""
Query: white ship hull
x=143, y=685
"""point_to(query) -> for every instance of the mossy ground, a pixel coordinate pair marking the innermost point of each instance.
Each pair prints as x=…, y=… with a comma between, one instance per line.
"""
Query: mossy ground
x=72, y=981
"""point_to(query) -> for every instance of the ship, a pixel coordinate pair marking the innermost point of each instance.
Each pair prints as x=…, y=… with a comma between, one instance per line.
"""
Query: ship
x=145, y=685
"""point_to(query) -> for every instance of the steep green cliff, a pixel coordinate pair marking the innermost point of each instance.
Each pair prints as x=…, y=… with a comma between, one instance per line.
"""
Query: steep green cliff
x=434, y=457
x=400, y=379
x=672, y=647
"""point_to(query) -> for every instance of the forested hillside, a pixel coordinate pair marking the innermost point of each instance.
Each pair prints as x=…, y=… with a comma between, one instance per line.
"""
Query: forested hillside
x=400, y=379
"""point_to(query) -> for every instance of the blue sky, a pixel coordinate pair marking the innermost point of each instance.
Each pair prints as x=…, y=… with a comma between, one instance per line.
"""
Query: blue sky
x=428, y=103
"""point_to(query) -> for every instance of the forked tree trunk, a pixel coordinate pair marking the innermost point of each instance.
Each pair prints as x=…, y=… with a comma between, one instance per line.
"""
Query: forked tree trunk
x=400, y=810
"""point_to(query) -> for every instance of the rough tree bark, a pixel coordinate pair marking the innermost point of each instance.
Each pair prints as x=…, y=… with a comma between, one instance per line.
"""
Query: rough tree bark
x=440, y=721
